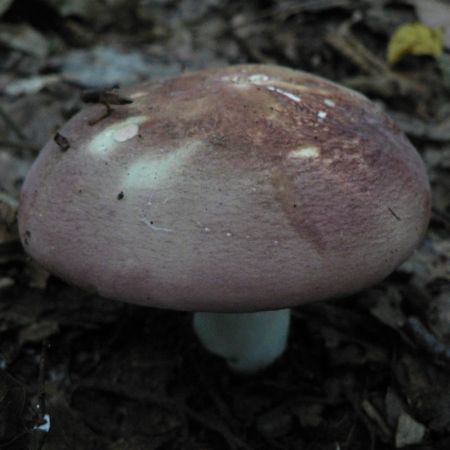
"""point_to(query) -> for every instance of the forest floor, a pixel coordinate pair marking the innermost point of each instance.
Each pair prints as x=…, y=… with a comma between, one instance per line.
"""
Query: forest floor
x=363, y=373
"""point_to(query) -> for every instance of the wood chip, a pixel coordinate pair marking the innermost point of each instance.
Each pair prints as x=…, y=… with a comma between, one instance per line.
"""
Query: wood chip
x=409, y=431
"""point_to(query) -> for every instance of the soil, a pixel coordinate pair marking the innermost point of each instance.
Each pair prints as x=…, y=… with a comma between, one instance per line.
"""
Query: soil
x=82, y=372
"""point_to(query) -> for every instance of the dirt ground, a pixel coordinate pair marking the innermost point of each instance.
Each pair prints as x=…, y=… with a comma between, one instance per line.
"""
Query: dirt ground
x=363, y=373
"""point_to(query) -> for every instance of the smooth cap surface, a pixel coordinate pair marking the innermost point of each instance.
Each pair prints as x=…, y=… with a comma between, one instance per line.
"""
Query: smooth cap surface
x=237, y=189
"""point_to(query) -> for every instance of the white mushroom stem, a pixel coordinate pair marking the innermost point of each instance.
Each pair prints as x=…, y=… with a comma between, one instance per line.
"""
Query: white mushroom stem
x=248, y=341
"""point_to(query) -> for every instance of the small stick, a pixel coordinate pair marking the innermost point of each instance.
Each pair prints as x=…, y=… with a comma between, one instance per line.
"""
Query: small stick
x=14, y=127
x=427, y=340
x=106, y=98
x=18, y=145
x=373, y=414
x=394, y=214
x=62, y=142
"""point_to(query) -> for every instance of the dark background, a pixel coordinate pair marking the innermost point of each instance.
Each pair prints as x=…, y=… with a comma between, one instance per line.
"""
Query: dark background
x=367, y=372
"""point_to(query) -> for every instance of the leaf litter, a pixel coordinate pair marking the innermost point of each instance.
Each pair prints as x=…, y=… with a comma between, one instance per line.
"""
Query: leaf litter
x=368, y=372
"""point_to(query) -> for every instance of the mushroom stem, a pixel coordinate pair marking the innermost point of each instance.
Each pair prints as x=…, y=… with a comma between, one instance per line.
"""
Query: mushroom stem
x=248, y=341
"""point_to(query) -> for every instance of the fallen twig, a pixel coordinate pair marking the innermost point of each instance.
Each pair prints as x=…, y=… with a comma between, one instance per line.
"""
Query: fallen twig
x=425, y=339
x=12, y=125
x=105, y=98
x=346, y=43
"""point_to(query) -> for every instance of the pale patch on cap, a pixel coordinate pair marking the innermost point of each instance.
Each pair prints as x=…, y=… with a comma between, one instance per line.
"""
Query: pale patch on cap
x=329, y=102
x=305, y=152
x=152, y=173
x=287, y=94
x=138, y=94
x=235, y=79
x=126, y=133
x=242, y=78
x=107, y=139
x=258, y=78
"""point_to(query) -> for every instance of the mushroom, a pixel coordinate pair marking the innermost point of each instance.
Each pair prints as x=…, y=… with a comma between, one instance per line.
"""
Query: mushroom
x=236, y=193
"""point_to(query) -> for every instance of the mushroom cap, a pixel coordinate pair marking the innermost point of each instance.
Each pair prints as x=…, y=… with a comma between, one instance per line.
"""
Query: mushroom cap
x=245, y=188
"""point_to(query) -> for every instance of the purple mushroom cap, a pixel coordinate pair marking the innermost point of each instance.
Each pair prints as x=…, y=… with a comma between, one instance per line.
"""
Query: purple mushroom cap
x=245, y=188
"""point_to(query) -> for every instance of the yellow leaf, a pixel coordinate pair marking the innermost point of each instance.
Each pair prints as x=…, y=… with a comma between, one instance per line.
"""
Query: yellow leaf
x=414, y=39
